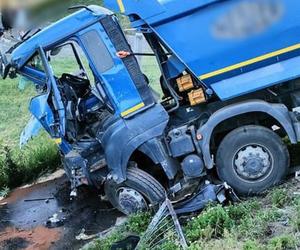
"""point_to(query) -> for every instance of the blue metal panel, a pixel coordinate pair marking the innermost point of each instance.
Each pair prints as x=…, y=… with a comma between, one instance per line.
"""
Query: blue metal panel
x=41, y=110
x=116, y=81
x=124, y=136
x=31, y=130
x=56, y=32
x=65, y=147
x=204, y=35
x=147, y=8
x=258, y=79
x=34, y=75
x=203, y=52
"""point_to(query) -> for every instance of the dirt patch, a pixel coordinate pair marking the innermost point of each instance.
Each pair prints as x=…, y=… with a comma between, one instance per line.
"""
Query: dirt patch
x=25, y=212
x=14, y=243
x=37, y=238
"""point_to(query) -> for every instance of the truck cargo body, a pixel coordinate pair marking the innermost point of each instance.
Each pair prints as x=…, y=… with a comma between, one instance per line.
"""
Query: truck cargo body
x=233, y=47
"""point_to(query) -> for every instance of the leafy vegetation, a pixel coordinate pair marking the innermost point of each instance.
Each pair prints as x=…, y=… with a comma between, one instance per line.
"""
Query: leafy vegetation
x=19, y=166
x=269, y=222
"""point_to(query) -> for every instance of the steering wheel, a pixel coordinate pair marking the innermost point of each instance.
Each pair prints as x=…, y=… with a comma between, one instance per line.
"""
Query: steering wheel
x=74, y=80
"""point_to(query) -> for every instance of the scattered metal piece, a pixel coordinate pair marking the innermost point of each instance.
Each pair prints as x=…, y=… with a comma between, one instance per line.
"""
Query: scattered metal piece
x=210, y=193
x=164, y=227
x=39, y=199
x=82, y=236
x=73, y=194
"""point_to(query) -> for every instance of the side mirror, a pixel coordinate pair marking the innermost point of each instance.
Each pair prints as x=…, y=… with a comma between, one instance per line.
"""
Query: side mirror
x=55, y=51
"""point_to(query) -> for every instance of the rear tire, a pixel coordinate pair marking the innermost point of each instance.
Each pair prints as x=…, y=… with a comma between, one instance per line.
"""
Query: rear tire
x=252, y=159
x=135, y=194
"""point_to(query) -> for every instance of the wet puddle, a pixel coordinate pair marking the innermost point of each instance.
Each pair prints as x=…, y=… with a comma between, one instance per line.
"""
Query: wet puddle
x=23, y=216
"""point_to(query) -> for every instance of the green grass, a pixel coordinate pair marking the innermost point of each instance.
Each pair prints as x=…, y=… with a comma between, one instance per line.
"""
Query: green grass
x=20, y=166
x=257, y=224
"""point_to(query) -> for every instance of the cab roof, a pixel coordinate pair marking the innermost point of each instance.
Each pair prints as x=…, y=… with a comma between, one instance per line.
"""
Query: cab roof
x=56, y=33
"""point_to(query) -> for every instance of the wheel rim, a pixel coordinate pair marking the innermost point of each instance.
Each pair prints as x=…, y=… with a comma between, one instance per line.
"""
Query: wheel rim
x=253, y=163
x=130, y=200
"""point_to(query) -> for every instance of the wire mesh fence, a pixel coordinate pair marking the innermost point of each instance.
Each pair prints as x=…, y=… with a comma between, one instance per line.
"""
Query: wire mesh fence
x=164, y=232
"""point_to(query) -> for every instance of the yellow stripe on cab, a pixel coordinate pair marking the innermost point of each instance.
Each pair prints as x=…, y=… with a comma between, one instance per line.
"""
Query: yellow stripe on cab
x=121, y=6
x=133, y=109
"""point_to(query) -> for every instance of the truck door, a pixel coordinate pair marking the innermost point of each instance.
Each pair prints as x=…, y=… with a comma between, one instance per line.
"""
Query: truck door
x=121, y=79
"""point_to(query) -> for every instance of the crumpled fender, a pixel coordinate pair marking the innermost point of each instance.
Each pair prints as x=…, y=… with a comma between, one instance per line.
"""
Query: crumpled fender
x=124, y=136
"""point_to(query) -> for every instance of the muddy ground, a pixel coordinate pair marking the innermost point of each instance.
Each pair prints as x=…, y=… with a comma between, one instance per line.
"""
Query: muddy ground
x=23, y=219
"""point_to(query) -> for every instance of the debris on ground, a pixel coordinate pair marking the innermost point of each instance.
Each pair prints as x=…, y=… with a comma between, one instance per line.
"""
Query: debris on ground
x=27, y=219
x=165, y=226
x=83, y=236
x=40, y=199
x=55, y=221
x=208, y=193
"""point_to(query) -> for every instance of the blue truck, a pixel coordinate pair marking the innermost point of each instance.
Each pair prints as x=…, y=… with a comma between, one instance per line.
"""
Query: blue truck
x=231, y=96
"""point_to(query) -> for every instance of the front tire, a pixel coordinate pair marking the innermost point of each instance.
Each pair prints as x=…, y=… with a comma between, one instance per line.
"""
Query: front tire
x=135, y=194
x=252, y=159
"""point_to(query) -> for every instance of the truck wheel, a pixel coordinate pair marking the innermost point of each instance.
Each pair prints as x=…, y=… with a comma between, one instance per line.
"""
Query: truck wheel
x=252, y=159
x=136, y=193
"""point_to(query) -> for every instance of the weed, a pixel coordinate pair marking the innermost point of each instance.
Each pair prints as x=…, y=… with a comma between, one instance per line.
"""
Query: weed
x=280, y=197
x=295, y=218
x=282, y=242
x=138, y=223
x=209, y=224
x=257, y=225
x=4, y=192
x=252, y=245
x=106, y=243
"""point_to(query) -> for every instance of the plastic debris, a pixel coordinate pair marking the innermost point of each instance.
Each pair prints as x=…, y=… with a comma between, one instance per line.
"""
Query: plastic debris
x=55, y=221
x=83, y=236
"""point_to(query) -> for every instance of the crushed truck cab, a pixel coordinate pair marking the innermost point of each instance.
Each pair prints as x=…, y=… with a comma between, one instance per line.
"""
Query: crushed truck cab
x=230, y=94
